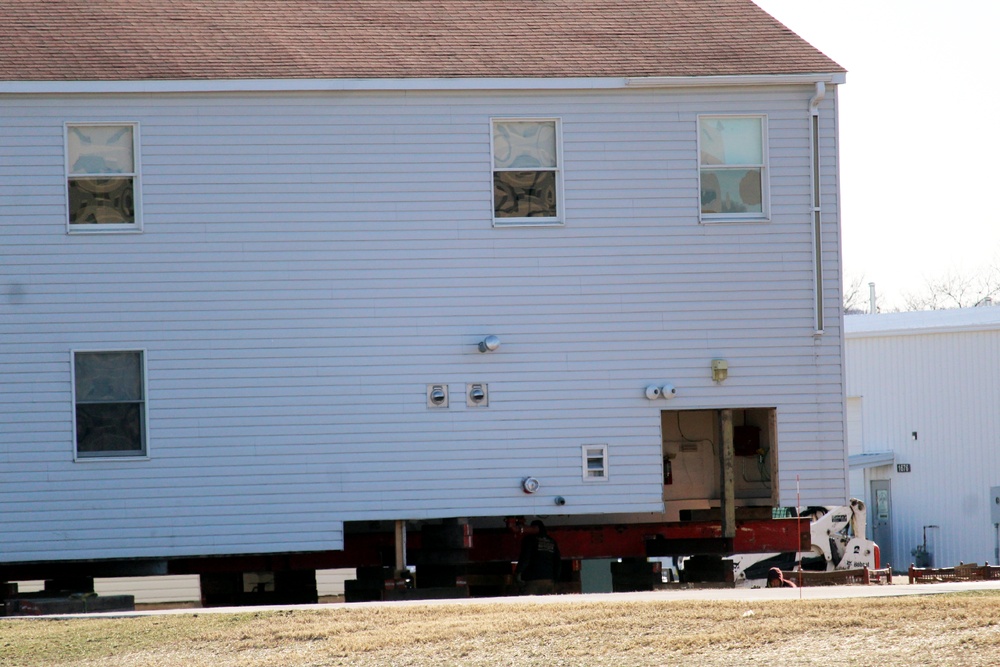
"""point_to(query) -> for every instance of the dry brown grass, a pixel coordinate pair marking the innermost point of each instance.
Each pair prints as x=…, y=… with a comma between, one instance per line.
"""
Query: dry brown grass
x=957, y=629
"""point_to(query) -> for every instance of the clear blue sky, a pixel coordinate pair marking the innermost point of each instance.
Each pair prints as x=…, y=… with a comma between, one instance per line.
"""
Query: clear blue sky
x=920, y=133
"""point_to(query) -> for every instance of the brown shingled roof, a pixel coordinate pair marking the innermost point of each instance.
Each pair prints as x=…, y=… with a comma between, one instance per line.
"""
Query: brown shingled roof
x=262, y=39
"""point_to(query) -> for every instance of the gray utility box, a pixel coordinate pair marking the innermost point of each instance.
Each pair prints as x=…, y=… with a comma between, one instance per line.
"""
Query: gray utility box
x=995, y=503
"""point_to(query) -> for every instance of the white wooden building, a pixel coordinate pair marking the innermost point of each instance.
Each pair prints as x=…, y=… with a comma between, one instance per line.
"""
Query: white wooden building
x=241, y=257
x=185, y=588
x=924, y=431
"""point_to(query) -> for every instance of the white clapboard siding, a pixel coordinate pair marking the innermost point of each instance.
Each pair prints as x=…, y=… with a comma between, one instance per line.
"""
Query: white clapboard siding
x=186, y=587
x=151, y=590
x=146, y=590
x=331, y=582
x=937, y=374
x=309, y=263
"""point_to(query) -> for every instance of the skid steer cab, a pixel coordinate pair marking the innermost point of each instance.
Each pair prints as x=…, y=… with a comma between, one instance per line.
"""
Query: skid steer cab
x=838, y=543
x=838, y=540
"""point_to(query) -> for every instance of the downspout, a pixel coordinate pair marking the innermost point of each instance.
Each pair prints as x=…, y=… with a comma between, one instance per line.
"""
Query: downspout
x=814, y=103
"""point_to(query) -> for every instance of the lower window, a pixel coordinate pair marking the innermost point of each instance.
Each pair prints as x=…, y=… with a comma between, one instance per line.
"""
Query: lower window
x=110, y=404
x=595, y=463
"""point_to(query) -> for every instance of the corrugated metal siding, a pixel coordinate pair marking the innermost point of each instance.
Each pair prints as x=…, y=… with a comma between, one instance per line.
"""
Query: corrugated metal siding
x=310, y=262
x=945, y=388
x=855, y=445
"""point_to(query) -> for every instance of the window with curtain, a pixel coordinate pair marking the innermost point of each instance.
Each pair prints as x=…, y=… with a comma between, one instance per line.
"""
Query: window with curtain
x=102, y=177
x=526, y=172
x=733, y=168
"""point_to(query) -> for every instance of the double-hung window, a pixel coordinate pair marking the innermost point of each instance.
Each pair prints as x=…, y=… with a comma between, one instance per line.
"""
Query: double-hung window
x=526, y=172
x=733, y=168
x=109, y=399
x=102, y=176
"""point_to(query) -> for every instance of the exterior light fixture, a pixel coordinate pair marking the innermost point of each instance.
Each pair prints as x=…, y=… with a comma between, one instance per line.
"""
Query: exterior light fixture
x=720, y=370
x=489, y=344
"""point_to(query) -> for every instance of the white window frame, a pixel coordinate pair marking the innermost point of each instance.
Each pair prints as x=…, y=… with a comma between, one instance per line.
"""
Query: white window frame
x=133, y=227
x=112, y=456
x=765, y=190
x=585, y=452
x=559, y=219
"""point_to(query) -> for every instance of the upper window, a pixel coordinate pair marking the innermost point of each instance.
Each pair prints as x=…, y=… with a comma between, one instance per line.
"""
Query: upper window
x=733, y=166
x=102, y=177
x=110, y=404
x=526, y=172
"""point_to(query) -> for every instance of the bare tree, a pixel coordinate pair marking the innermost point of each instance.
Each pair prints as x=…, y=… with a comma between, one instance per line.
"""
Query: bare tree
x=855, y=297
x=956, y=289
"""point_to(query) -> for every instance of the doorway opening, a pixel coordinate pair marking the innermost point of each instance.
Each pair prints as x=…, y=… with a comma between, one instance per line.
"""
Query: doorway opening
x=693, y=461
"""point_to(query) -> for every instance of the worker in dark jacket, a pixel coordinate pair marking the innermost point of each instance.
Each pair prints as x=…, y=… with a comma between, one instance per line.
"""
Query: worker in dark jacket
x=538, y=567
x=776, y=579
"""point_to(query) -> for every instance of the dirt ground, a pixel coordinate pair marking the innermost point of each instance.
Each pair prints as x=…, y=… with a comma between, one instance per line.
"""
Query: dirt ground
x=947, y=629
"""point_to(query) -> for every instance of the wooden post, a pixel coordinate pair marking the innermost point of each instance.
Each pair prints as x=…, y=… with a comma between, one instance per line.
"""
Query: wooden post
x=727, y=485
x=400, y=547
x=772, y=426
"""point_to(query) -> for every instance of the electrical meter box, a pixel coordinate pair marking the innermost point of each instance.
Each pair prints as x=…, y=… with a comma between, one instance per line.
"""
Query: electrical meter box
x=995, y=503
x=746, y=440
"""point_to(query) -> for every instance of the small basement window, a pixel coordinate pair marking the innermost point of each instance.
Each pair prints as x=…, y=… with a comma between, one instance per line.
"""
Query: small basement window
x=102, y=177
x=109, y=399
x=595, y=463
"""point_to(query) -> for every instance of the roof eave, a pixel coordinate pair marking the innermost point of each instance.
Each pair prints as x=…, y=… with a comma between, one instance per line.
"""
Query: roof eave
x=871, y=460
x=735, y=80
x=147, y=86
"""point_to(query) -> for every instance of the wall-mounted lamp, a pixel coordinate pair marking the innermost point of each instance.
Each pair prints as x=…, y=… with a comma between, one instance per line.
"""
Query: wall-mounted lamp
x=720, y=370
x=529, y=484
x=489, y=344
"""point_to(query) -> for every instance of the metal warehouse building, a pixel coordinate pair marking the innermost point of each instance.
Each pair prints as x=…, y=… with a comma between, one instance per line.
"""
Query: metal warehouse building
x=923, y=391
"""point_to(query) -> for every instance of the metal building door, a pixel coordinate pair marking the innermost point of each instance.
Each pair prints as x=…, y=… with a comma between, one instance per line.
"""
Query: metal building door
x=881, y=522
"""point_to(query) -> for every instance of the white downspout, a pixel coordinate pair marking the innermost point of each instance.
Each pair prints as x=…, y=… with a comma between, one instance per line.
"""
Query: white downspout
x=818, y=97
x=814, y=103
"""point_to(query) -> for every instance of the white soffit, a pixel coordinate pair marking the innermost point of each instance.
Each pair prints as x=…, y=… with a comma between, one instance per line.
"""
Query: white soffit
x=455, y=84
x=872, y=460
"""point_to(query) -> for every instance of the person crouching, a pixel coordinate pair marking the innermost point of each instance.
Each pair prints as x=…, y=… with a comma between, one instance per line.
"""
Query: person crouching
x=776, y=579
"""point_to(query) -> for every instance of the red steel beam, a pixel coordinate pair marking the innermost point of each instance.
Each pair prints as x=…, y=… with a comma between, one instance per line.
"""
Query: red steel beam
x=493, y=545
x=630, y=540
